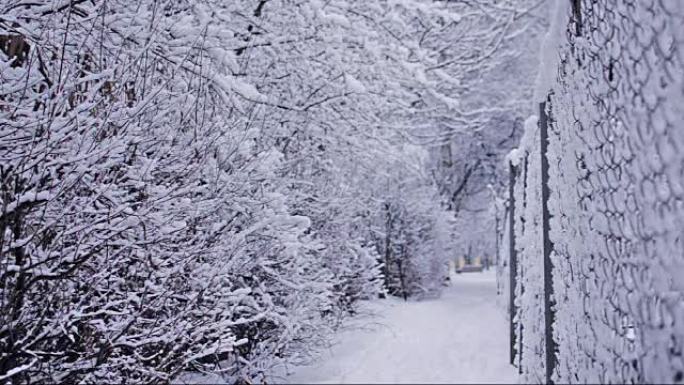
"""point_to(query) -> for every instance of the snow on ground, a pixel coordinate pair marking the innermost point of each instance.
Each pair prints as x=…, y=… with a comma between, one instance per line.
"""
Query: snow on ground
x=460, y=337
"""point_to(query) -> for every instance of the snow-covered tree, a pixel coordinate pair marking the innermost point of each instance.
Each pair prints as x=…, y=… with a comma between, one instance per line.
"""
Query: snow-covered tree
x=201, y=186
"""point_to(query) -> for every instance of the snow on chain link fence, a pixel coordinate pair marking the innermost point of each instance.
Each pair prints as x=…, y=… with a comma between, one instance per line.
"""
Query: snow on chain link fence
x=611, y=306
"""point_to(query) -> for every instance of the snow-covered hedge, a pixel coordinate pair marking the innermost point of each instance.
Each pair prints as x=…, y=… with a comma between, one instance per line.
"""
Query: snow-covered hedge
x=199, y=185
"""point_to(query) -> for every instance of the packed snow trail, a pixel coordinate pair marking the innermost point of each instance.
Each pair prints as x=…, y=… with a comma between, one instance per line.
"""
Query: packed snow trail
x=460, y=337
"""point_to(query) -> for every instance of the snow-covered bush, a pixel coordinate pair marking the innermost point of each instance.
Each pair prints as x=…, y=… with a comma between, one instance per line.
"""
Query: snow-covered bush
x=414, y=234
x=199, y=185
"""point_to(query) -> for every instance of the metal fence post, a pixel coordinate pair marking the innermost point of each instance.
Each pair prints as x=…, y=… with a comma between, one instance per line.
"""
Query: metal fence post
x=549, y=313
x=513, y=259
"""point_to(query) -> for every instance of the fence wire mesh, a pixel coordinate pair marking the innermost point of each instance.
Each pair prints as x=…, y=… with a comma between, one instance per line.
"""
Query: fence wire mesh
x=616, y=180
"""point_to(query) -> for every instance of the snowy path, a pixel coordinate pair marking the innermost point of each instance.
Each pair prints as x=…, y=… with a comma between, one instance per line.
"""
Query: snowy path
x=458, y=338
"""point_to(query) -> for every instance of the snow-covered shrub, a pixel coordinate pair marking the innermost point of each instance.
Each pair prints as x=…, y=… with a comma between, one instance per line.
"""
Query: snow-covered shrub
x=199, y=185
x=415, y=237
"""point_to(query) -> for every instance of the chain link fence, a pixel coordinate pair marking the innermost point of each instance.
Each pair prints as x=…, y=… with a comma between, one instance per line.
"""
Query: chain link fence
x=599, y=280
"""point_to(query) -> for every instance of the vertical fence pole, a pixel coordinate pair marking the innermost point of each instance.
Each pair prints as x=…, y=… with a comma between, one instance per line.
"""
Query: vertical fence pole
x=496, y=239
x=520, y=273
x=513, y=259
x=549, y=313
